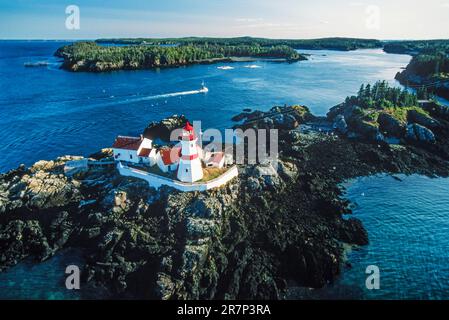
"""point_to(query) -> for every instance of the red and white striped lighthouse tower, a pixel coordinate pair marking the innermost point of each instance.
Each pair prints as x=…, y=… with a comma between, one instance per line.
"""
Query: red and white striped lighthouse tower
x=190, y=168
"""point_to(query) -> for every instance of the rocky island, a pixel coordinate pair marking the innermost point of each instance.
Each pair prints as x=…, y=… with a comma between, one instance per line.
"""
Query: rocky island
x=254, y=238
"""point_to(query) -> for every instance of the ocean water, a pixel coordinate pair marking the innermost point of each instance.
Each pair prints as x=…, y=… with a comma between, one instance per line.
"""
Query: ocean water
x=47, y=112
x=45, y=280
x=408, y=226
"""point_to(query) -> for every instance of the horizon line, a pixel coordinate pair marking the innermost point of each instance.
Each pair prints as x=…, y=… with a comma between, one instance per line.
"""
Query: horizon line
x=214, y=37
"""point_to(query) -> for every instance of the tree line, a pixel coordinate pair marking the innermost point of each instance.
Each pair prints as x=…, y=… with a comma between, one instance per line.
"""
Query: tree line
x=148, y=56
x=323, y=43
x=382, y=96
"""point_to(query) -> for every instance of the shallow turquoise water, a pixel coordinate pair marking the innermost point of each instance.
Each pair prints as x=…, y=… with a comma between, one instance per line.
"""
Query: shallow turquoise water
x=408, y=228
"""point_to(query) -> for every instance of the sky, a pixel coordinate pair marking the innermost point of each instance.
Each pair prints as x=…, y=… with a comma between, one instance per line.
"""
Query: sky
x=300, y=19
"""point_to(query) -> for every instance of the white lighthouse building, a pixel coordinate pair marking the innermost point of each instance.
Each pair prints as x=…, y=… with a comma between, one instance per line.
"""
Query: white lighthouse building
x=190, y=168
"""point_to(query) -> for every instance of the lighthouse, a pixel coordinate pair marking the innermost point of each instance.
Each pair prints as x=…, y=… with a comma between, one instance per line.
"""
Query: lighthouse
x=190, y=168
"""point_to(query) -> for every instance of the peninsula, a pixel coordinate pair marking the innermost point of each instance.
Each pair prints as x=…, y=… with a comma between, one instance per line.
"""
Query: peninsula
x=428, y=71
x=252, y=238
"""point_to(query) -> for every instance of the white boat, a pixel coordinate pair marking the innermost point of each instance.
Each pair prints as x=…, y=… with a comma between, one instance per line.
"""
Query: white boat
x=203, y=89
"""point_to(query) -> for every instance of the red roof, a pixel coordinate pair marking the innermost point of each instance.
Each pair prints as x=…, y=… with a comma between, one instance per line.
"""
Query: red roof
x=144, y=152
x=188, y=126
x=128, y=143
x=170, y=156
x=216, y=157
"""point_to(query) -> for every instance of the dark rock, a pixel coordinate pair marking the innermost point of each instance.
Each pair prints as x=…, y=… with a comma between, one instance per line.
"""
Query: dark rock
x=419, y=133
x=334, y=111
x=439, y=110
x=352, y=231
x=278, y=221
x=367, y=130
x=287, y=122
x=282, y=118
x=340, y=124
x=414, y=116
x=204, y=207
x=390, y=125
x=240, y=116
x=199, y=228
x=162, y=129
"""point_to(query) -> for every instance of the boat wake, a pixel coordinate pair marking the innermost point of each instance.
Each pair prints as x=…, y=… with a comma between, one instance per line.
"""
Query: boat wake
x=110, y=100
x=225, y=68
x=174, y=94
x=167, y=95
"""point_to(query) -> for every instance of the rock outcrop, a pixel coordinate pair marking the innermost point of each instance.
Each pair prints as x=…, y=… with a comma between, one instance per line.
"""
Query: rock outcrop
x=277, y=223
x=390, y=125
x=418, y=133
x=282, y=118
x=422, y=119
x=410, y=125
x=162, y=129
x=340, y=124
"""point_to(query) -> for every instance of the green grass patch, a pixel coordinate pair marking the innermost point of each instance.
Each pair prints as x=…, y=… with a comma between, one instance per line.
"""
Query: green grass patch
x=212, y=173
x=400, y=113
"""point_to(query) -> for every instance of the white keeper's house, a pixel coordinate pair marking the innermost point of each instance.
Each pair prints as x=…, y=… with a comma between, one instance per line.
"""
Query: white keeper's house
x=183, y=165
x=134, y=149
x=167, y=159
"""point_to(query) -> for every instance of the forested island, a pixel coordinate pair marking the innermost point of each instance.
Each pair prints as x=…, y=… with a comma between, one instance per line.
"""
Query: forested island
x=144, y=53
x=428, y=71
x=89, y=56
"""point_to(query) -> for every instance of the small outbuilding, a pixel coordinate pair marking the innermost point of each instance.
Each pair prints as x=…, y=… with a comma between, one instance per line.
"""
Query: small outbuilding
x=214, y=159
x=134, y=150
x=167, y=159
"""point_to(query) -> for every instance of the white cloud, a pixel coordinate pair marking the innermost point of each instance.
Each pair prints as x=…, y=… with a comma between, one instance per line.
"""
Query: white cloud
x=248, y=19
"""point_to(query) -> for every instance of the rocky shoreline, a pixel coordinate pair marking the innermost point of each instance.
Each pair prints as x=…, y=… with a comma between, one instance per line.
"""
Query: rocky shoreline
x=434, y=85
x=251, y=239
x=98, y=66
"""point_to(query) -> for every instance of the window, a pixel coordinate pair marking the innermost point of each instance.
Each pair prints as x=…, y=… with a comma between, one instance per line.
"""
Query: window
x=187, y=170
x=130, y=156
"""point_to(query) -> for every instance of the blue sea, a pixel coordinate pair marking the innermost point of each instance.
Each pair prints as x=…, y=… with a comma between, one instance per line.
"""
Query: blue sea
x=408, y=226
x=47, y=112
